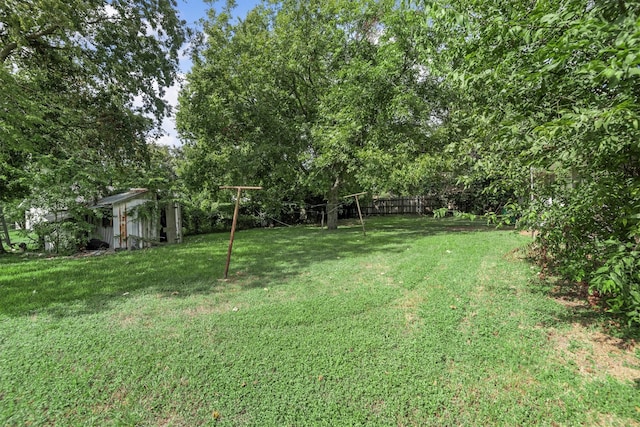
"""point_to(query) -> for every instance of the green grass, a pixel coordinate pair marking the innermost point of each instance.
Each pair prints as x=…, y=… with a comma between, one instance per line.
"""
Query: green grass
x=421, y=322
x=17, y=236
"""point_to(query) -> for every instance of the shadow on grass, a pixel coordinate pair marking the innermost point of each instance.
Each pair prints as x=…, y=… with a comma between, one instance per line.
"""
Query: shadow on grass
x=290, y=253
x=579, y=307
x=261, y=257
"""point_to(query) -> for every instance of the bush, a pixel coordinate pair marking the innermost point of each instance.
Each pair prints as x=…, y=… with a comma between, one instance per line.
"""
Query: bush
x=63, y=237
x=592, y=233
x=618, y=281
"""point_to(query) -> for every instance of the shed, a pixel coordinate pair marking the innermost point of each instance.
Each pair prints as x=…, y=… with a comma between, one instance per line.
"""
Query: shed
x=133, y=220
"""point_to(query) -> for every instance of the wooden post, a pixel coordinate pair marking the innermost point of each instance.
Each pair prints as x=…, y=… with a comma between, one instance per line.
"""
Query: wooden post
x=364, y=232
x=235, y=219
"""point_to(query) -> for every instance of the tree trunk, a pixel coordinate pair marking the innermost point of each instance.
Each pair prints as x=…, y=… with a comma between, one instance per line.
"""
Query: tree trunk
x=332, y=206
x=5, y=231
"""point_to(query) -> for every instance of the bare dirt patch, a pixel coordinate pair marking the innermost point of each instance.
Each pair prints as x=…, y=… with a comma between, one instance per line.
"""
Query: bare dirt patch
x=528, y=233
x=595, y=353
x=202, y=310
x=609, y=420
x=409, y=304
x=515, y=255
x=129, y=320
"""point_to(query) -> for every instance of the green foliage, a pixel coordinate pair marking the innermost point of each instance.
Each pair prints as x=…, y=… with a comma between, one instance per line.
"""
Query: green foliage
x=99, y=45
x=306, y=98
x=82, y=85
x=464, y=215
x=63, y=236
x=198, y=220
x=440, y=212
x=546, y=110
x=619, y=280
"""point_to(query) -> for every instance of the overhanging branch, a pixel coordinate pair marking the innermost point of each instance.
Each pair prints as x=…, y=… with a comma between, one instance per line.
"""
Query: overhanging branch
x=8, y=49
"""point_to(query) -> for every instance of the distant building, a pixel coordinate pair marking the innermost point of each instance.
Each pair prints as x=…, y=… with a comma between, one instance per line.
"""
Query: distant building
x=131, y=220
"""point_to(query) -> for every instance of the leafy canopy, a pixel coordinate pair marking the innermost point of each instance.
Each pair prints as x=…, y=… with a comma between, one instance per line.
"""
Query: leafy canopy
x=306, y=98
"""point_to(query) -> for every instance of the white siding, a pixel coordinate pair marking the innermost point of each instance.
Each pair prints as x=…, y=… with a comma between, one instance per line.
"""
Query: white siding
x=129, y=230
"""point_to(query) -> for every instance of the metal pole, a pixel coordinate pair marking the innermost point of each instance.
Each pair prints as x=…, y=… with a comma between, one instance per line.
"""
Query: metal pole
x=233, y=231
x=359, y=211
x=235, y=220
x=360, y=215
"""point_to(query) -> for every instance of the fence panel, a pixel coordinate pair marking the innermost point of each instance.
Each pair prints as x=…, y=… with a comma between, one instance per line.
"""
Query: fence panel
x=416, y=205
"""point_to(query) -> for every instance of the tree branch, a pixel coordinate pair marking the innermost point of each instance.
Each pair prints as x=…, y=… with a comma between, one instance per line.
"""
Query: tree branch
x=297, y=96
x=8, y=49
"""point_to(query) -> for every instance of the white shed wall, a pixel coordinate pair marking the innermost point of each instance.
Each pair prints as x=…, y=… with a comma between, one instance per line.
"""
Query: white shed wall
x=129, y=230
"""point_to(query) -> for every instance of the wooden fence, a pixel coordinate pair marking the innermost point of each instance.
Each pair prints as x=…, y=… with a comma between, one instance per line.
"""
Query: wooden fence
x=414, y=205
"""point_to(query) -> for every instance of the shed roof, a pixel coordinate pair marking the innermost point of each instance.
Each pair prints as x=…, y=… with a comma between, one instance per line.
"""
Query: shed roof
x=117, y=198
x=58, y=216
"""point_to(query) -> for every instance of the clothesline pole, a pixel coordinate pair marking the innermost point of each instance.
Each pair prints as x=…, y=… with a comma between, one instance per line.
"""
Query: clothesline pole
x=235, y=219
x=364, y=232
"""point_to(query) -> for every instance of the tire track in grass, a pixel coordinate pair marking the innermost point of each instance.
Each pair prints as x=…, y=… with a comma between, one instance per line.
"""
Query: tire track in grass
x=475, y=323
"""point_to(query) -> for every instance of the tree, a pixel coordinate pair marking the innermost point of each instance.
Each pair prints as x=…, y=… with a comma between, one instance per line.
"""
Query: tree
x=551, y=112
x=82, y=82
x=306, y=98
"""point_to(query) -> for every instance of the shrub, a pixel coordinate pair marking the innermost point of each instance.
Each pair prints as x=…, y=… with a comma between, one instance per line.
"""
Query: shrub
x=618, y=281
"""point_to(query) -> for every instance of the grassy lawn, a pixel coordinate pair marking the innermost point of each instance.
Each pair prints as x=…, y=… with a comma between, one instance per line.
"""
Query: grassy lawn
x=421, y=322
x=18, y=237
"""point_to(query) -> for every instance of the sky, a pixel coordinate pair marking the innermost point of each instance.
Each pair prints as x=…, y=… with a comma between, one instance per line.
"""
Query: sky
x=192, y=11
